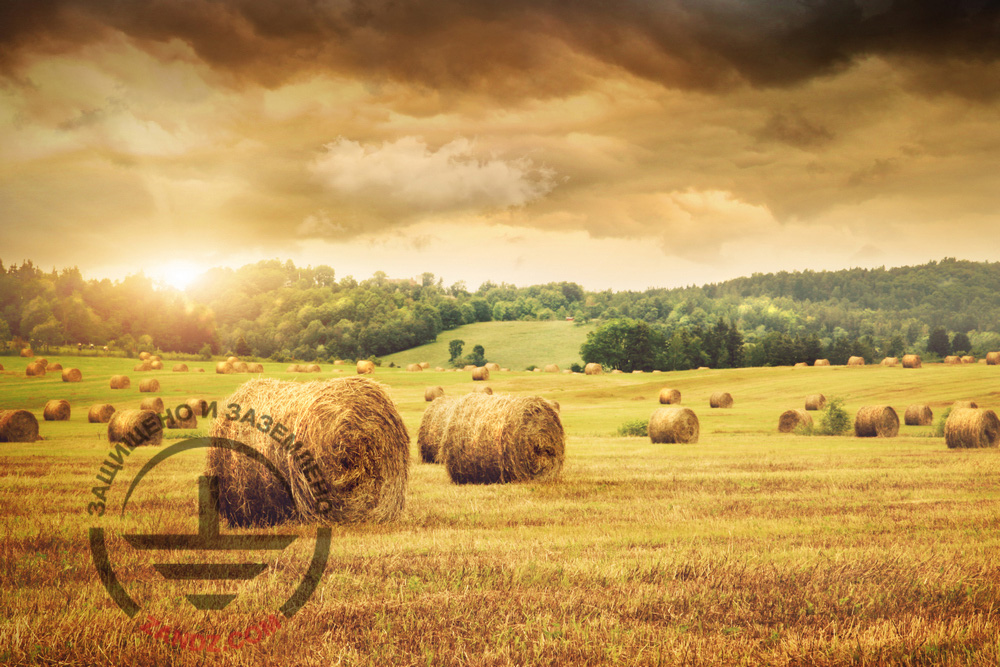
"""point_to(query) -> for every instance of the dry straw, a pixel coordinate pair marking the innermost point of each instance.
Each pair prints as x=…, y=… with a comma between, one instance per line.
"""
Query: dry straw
x=100, y=414
x=964, y=404
x=792, y=419
x=720, y=399
x=815, y=402
x=149, y=385
x=674, y=425
x=139, y=427
x=951, y=359
x=352, y=465
x=669, y=396
x=436, y=418
x=555, y=404
x=34, y=369
x=856, y=361
x=492, y=367
x=502, y=438
x=890, y=361
x=821, y=362
x=180, y=368
x=120, y=382
x=224, y=368
x=430, y=393
x=876, y=421
x=993, y=358
x=366, y=367
x=480, y=374
x=198, y=406
x=18, y=426
x=154, y=403
x=551, y=368
x=972, y=428
x=593, y=369
x=912, y=361
x=918, y=414
x=56, y=410
x=71, y=375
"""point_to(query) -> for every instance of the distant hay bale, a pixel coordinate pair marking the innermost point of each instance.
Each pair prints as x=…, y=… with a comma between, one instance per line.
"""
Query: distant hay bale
x=821, y=362
x=51, y=368
x=856, y=361
x=481, y=373
x=432, y=424
x=414, y=368
x=338, y=362
x=120, y=382
x=155, y=357
x=704, y=368
x=180, y=368
x=199, y=370
x=815, y=402
x=670, y=396
x=890, y=361
x=993, y=358
x=673, y=425
x=255, y=368
x=100, y=414
x=430, y=393
x=312, y=368
x=952, y=360
x=593, y=369
x=981, y=361
x=918, y=414
x=483, y=389
x=637, y=372
x=501, y=438
x=502, y=370
x=352, y=465
x=232, y=360
x=26, y=352
x=972, y=428
x=492, y=367
x=149, y=385
x=71, y=375
x=968, y=359
x=142, y=366
x=138, y=427
x=56, y=410
x=34, y=370
x=425, y=365
x=224, y=368
x=156, y=365
x=617, y=371
x=153, y=403
x=792, y=419
x=181, y=417
x=143, y=356
x=551, y=368
x=18, y=426
x=1, y=367
x=240, y=367
x=800, y=364
x=567, y=371
x=199, y=406
x=43, y=362
x=438, y=369
x=720, y=399
x=957, y=405
x=366, y=367
x=912, y=361
x=876, y=421
x=469, y=367
x=293, y=368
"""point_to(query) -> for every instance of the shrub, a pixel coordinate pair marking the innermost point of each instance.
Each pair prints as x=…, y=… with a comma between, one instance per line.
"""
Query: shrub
x=576, y=368
x=834, y=419
x=939, y=424
x=634, y=428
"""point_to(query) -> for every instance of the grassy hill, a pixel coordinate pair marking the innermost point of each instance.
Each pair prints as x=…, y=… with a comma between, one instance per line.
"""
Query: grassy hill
x=514, y=345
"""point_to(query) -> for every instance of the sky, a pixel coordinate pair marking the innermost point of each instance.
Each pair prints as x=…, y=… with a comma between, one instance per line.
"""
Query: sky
x=624, y=145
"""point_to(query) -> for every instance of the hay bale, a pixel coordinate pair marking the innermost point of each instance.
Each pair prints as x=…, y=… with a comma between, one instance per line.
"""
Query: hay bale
x=492, y=367
x=482, y=389
x=551, y=368
x=720, y=399
x=800, y=364
x=120, y=382
x=704, y=368
x=153, y=403
x=199, y=406
x=952, y=360
x=918, y=414
x=255, y=368
x=293, y=368
x=149, y=385
x=633, y=372
x=34, y=369
x=224, y=368
x=1, y=367
x=821, y=362
x=100, y=414
x=502, y=438
x=56, y=410
x=438, y=369
x=890, y=361
x=312, y=368
x=232, y=360
x=964, y=404
x=43, y=361
x=351, y=463
x=502, y=370
x=414, y=368
x=480, y=374
x=199, y=370
x=815, y=402
x=181, y=417
x=673, y=425
x=18, y=426
x=792, y=419
x=616, y=371
x=142, y=366
x=26, y=352
x=469, y=367
x=670, y=396
x=240, y=367
x=425, y=365
x=143, y=356
x=338, y=362
x=968, y=359
x=856, y=361
x=876, y=421
x=156, y=365
x=567, y=371
x=366, y=367
x=430, y=393
x=71, y=375
x=967, y=427
x=912, y=361
x=51, y=368
x=593, y=369
x=432, y=424
x=180, y=368
x=138, y=427
x=993, y=358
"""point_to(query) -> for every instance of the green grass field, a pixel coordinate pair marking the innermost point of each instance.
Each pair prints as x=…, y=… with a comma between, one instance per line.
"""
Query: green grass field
x=749, y=547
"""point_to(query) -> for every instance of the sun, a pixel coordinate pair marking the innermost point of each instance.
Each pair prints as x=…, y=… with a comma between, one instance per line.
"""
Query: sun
x=178, y=273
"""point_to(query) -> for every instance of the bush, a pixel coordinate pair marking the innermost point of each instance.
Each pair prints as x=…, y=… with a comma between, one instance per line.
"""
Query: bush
x=834, y=419
x=576, y=368
x=205, y=352
x=634, y=428
x=531, y=367
x=939, y=424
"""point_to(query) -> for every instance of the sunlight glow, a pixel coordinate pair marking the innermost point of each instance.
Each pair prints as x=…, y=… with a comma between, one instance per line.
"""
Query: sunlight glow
x=176, y=273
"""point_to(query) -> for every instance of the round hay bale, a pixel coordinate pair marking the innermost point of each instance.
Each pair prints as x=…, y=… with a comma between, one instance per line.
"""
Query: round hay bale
x=720, y=399
x=139, y=427
x=366, y=367
x=952, y=360
x=792, y=419
x=338, y=362
x=968, y=359
x=616, y=371
x=153, y=403
x=918, y=414
x=424, y=365
x=967, y=427
x=56, y=410
x=856, y=361
x=232, y=360
x=481, y=373
x=993, y=358
x=501, y=438
x=890, y=361
x=1, y=367
x=673, y=425
x=964, y=404
x=670, y=396
x=294, y=368
x=504, y=370
x=876, y=421
x=567, y=371
x=469, y=367
x=704, y=368
x=71, y=375
x=149, y=385
x=255, y=368
x=800, y=364
x=100, y=414
x=156, y=365
x=199, y=406
x=240, y=367
x=414, y=368
x=181, y=417
x=551, y=368
x=143, y=356
x=815, y=402
x=637, y=372
x=18, y=426
x=593, y=369
x=492, y=367
x=34, y=369
x=180, y=368
x=224, y=368
x=482, y=389
x=26, y=352
x=199, y=370
x=142, y=366
x=438, y=369
x=312, y=368
x=432, y=424
x=912, y=361
x=430, y=393
x=821, y=362
x=120, y=382
x=352, y=465
x=51, y=368
x=43, y=361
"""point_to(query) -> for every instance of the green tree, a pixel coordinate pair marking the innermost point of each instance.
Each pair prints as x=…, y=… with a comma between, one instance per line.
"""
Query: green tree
x=960, y=343
x=242, y=348
x=455, y=349
x=478, y=356
x=938, y=342
x=624, y=344
x=50, y=332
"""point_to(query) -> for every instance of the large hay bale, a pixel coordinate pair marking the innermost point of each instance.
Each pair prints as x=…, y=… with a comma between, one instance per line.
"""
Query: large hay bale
x=800, y=364
x=293, y=368
x=120, y=382
x=492, y=367
x=149, y=385
x=138, y=427
x=71, y=375
x=34, y=369
x=815, y=402
x=350, y=462
x=18, y=426
x=26, y=352
x=181, y=417
x=968, y=359
x=469, y=367
x=967, y=427
x=224, y=368
x=502, y=438
x=593, y=369
x=720, y=399
x=821, y=362
x=425, y=365
x=199, y=406
x=551, y=368
x=51, y=368
x=56, y=410
x=240, y=367
x=964, y=404
x=156, y=365
x=876, y=421
x=890, y=361
x=952, y=360
x=143, y=356
x=414, y=368
x=43, y=362
x=616, y=371
x=993, y=358
x=366, y=367
x=792, y=419
x=232, y=360
x=482, y=389
x=255, y=368
x=856, y=361
x=912, y=361
x=670, y=396
x=153, y=403
x=673, y=425
x=430, y=393
x=480, y=374
x=918, y=414
x=432, y=425
x=142, y=366
x=100, y=414
x=180, y=368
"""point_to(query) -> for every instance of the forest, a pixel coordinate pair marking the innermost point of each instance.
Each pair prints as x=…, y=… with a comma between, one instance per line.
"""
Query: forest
x=277, y=310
